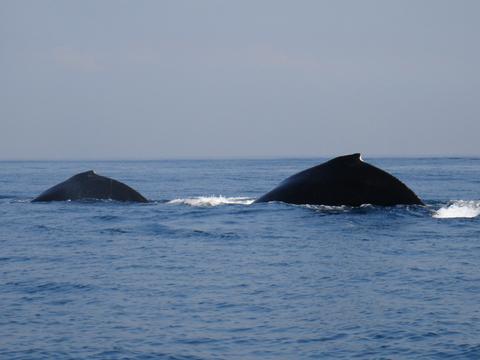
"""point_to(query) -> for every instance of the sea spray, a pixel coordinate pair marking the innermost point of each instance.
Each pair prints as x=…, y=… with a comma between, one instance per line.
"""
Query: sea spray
x=202, y=201
x=459, y=209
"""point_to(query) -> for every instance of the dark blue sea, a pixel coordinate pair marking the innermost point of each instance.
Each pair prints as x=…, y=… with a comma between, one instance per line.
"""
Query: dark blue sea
x=201, y=273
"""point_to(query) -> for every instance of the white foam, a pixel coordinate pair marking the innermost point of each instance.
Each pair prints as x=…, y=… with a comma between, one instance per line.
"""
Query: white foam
x=459, y=209
x=327, y=207
x=213, y=201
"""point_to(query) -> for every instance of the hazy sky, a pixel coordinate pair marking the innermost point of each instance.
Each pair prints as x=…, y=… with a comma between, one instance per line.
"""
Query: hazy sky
x=166, y=79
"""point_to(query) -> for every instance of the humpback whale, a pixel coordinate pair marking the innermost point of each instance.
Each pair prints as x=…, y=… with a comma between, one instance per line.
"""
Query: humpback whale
x=88, y=185
x=345, y=180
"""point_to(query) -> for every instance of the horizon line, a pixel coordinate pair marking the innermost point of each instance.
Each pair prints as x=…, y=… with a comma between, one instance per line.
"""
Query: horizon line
x=251, y=157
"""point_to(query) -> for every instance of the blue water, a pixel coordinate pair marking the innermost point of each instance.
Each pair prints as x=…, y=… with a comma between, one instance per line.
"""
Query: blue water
x=201, y=274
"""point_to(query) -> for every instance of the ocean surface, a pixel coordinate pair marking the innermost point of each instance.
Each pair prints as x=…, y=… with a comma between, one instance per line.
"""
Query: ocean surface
x=201, y=273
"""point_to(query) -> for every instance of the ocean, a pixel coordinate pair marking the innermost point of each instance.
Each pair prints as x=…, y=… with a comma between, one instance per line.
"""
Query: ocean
x=201, y=273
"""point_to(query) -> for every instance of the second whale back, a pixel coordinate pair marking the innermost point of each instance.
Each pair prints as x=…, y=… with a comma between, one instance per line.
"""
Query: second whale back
x=345, y=180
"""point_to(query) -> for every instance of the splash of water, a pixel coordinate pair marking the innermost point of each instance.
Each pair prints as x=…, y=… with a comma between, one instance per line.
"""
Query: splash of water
x=203, y=201
x=328, y=208
x=459, y=209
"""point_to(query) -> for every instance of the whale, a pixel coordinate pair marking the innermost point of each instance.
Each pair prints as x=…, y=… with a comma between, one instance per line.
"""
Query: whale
x=89, y=185
x=344, y=180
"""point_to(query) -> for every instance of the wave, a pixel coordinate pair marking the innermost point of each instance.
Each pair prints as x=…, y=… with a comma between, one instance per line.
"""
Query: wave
x=459, y=209
x=203, y=201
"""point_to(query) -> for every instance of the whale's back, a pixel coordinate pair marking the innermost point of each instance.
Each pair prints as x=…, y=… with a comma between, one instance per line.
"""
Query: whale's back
x=88, y=185
x=345, y=180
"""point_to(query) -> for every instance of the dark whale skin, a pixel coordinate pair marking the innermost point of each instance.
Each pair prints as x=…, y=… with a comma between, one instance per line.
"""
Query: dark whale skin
x=88, y=185
x=345, y=180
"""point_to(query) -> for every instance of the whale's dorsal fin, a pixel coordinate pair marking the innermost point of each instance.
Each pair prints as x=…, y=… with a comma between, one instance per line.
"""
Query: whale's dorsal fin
x=88, y=173
x=349, y=159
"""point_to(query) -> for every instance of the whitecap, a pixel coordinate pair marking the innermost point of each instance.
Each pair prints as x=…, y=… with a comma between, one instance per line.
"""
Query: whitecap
x=459, y=209
x=202, y=201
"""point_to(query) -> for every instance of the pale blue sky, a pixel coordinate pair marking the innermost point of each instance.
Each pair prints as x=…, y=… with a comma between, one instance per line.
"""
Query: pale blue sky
x=167, y=79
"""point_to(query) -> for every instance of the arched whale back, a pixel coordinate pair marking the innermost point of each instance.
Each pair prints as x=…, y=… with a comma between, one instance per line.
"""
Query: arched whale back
x=345, y=180
x=88, y=185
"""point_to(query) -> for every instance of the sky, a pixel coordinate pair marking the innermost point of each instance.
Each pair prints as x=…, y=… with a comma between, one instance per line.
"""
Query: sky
x=226, y=79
